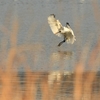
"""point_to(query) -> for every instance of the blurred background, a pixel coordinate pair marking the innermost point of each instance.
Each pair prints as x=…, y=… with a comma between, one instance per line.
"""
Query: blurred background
x=33, y=67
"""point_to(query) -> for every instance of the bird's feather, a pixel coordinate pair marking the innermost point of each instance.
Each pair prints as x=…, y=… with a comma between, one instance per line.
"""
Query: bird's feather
x=69, y=34
x=55, y=25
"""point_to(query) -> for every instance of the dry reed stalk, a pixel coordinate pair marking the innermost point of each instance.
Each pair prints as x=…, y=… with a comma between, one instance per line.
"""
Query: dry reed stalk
x=87, y=91
x=93, y=63
x=45, y=88
x=85, y=87
x=6, y=87
x=7, y=84
x=7, y=77
x=78, y=81
x=96, y=11
x=30, y=86
x=79, y=71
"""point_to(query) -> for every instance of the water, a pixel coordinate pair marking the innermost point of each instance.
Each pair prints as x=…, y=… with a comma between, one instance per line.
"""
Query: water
x=27, y=42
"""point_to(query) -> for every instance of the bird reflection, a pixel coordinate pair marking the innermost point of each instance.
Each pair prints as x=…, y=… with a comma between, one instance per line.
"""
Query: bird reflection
x=57, y=76
x=61, y=55
x=60, y=59
x=65, y=53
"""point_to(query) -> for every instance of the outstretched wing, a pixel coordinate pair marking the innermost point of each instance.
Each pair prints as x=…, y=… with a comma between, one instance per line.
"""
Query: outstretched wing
x=55, y=25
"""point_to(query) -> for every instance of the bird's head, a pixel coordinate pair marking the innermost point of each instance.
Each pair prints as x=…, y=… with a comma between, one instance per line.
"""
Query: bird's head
x=67, y=24
x=53, y=15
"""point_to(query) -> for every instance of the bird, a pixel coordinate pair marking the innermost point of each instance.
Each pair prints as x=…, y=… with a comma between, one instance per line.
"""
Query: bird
x=60, y=30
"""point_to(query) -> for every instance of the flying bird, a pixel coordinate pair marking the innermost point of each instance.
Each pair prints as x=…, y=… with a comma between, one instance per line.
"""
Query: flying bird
x=60, y=30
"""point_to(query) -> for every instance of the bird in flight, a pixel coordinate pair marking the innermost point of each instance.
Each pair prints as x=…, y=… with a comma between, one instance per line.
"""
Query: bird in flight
x=60, y=30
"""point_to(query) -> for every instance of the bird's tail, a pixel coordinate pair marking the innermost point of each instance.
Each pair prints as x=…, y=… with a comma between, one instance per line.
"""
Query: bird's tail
x=71, y=40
